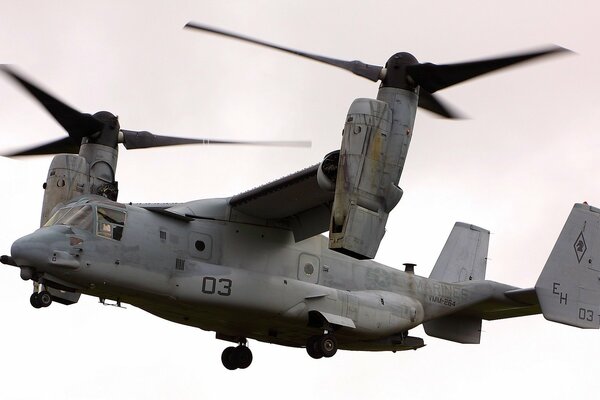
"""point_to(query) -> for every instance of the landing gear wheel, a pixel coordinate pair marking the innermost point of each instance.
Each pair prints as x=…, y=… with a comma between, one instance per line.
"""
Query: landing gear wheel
x=35, y=301
x=327, y=345
x=313, y=348
x=243, y=356
x=229, y=358
x=44, y=298
x=236, y=357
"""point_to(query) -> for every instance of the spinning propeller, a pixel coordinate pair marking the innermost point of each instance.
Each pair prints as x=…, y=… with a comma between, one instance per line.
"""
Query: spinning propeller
x=103, y=128
x=404, y=71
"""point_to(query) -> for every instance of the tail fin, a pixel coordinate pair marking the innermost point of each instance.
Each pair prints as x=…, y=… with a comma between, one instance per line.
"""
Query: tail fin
x=568, y=288
x=464, y=256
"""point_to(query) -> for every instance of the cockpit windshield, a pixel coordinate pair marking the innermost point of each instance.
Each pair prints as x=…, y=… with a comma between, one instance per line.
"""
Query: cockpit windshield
x=80, y=217
x=109, y=222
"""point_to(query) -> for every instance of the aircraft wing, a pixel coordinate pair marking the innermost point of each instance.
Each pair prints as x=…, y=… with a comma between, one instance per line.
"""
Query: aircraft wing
x=296, y=201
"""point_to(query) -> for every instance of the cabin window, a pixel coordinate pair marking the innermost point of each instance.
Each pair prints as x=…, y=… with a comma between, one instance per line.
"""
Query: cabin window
x=309, y=269
x=110, y=223
x=200, y=245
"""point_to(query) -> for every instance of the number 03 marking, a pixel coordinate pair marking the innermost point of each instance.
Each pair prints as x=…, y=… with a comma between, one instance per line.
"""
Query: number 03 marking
x=226, y=289
x=222, y=287
x=585, y=314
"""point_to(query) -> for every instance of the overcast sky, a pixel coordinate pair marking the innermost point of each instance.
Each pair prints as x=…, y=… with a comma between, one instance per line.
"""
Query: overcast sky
x=527, y=153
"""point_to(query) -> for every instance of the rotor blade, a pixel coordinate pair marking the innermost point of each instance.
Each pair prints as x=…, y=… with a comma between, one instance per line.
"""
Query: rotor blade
x=433, y=103
x=372, y=72
x=434, y=77
x=65, y=145
x=77, y=124
x=144, y=139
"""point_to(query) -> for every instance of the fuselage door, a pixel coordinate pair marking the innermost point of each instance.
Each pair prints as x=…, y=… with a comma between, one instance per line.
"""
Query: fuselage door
x=308, y=268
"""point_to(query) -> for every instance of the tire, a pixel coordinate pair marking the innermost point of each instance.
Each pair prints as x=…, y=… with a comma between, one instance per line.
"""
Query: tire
x=35, y=301
x=229, y=358
x=313, y=348
x=243, y=357
x=44, y=298
x=327, y=345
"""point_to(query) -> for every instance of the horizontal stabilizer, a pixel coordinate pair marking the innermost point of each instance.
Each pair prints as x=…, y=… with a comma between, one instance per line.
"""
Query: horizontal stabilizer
x=511, y=303
x=456, y=328
x=568, y=288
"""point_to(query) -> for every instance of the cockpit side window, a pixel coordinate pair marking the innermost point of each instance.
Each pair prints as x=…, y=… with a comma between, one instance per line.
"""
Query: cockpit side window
x=111, y=223
x=79, y=217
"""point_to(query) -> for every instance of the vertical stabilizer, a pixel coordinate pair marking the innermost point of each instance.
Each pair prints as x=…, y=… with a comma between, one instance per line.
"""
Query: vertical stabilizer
x=568, y=288
x=464, y=256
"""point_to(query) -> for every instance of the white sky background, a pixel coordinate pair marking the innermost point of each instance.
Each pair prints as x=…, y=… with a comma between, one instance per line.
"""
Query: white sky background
x=516, y=167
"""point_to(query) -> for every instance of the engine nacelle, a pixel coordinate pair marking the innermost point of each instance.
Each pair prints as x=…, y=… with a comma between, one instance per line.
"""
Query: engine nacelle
x=71, y=175
x=68, y=177
x=370, y=162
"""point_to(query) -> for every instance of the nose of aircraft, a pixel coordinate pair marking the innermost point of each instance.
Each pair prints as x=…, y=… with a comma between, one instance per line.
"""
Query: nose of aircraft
x=27, y=251
x=36, y=249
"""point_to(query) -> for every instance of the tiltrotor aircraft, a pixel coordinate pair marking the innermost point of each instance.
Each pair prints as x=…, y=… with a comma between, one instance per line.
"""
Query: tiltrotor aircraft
x=255, y=265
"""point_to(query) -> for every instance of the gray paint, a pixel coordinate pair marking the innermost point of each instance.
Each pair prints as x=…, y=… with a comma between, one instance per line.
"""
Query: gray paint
x=569, y=286
x=258, y=267
x=374, y=146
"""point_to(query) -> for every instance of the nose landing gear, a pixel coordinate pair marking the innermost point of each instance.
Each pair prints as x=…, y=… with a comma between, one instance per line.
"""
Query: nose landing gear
x=40, y=297
x=237, y=357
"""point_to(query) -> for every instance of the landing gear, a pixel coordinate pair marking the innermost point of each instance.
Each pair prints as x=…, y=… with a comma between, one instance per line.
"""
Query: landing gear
x=45, y=298
x=40, y=298
x=328, y=345
x=35, y=300
x=237, y=357
x=321, y=346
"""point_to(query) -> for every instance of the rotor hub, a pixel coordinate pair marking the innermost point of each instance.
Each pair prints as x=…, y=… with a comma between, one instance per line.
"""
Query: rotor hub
x=109, y=134
x=396, y=74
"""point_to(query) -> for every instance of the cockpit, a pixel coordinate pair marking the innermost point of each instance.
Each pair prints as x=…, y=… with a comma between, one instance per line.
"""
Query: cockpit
x=104, y=221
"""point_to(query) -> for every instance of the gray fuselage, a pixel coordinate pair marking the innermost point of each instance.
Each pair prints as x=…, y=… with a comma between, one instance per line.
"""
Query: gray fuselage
x=242, y=280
